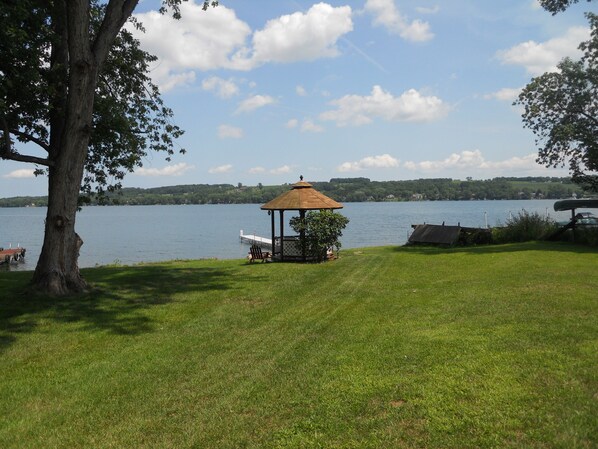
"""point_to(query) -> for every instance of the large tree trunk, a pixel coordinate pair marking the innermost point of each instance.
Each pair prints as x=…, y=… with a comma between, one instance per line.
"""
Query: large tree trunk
x=57, y=270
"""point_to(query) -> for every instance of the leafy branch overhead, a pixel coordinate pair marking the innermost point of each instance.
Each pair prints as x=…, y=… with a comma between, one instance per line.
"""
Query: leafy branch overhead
x=129, y=117
x=556, y=6
x=561, y=109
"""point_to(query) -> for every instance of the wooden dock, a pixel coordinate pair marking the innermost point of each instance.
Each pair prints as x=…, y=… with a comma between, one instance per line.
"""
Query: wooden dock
x=252, y=239
x=12, y=255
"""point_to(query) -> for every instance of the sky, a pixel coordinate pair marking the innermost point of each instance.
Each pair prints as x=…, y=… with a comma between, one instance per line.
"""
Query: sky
x=267, y=91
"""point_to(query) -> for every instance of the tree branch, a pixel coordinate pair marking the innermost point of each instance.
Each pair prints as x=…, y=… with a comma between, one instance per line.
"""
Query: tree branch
x=33, y=139
x=108, y=86
x=589, y=117
x=117, y=13
x=6, y=151
x=6, y=133
x=13, y=156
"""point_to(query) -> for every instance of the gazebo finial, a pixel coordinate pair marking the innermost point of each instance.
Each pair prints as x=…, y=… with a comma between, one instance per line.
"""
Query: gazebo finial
x=301, y=177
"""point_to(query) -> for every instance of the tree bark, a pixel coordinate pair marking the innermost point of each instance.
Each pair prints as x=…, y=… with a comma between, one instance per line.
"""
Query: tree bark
x=57, y=271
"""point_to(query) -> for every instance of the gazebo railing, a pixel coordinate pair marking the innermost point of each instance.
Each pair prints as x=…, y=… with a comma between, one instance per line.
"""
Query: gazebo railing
x=292, y=249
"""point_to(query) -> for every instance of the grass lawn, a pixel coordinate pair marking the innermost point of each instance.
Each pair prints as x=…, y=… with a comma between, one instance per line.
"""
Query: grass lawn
x=486, y=347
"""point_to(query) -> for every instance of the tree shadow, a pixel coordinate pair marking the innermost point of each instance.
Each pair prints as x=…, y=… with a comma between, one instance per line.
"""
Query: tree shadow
x=115, y=303
x=499, y=248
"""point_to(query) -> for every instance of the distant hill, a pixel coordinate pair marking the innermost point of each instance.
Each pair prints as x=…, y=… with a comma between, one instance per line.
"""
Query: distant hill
x=340, y=189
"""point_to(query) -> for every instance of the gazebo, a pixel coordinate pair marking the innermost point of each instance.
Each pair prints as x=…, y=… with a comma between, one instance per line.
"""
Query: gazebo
x=302, y=197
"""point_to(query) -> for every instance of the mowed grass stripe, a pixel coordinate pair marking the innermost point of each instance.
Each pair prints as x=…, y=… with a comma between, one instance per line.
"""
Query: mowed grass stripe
x=385, y=347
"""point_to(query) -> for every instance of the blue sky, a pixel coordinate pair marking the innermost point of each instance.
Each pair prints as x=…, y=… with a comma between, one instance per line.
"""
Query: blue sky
x=385, y=89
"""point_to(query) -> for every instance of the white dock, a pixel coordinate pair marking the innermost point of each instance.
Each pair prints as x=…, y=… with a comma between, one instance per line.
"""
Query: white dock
x=253, y=239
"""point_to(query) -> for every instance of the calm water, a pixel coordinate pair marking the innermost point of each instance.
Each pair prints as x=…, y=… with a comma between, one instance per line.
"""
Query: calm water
x=132, y=234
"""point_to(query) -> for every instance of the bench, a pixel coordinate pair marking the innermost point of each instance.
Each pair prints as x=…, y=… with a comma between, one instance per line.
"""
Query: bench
x=256, y=253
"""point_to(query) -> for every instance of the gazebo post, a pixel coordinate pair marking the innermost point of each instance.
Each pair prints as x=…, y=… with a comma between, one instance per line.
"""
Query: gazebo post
x=574, y=221
x=273, y=234
x=302, y=235
x=281, y=234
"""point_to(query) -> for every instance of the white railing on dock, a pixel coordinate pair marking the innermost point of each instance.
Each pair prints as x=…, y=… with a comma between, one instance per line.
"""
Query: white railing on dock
x=253, y=239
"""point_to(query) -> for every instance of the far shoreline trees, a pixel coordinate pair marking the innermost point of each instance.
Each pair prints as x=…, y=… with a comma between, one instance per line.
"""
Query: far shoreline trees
x=340, y=189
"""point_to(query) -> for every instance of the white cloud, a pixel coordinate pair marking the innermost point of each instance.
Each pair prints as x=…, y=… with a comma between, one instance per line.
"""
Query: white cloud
x=175, y=80
x=469, y=161
x=300, y=90
x=515, y=163
x=256, y=170
x=281, y=170
x=428, y=10
x=20, y=174
x=222, y=88
x=292, y=123
x=169, y=170
x=274, y=171
x=387, y=15
x=255, y=102
x=308, y=126
x=221, y=169
x=200, y=40
x=300, y=36
x=411, y=106
x=463, y=160
x=538, y=58
x=381, y=161
x=505, y=94
x=217, y=39
x=229, y=132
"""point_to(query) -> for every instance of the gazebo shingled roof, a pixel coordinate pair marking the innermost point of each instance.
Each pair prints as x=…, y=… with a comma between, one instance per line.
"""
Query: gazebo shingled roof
x=302, y=196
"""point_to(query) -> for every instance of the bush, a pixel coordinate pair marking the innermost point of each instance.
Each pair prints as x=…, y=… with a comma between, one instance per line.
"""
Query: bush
x=584, y=235
x=322, y=231
x=524, y=227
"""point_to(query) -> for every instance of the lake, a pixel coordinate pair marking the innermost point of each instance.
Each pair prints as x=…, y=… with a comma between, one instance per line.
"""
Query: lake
x=133, y=234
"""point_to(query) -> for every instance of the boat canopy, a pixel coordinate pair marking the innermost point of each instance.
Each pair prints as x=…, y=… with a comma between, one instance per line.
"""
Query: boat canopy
x=591, y=203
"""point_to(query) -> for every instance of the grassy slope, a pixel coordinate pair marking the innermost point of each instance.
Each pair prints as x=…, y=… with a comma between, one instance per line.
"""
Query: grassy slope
x=385, y=347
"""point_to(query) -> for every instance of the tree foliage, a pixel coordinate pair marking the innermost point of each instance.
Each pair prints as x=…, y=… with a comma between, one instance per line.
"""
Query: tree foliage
x=129, y=117
x=321, y=231
x=356, y=190
x=556, y=6
x=561, y=109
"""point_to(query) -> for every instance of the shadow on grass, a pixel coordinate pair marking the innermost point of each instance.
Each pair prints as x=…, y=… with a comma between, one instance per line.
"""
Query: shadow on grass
x=115, y=304
x=500, y=248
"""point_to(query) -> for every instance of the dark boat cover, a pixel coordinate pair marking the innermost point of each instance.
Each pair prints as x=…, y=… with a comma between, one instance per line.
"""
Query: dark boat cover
x=591, y=203
x=435, y=234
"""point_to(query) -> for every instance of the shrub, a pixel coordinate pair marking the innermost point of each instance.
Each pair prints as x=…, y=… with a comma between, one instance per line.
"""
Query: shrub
x=322, y=231
x=524, y=227
x=475, y=237
x=584, y=235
